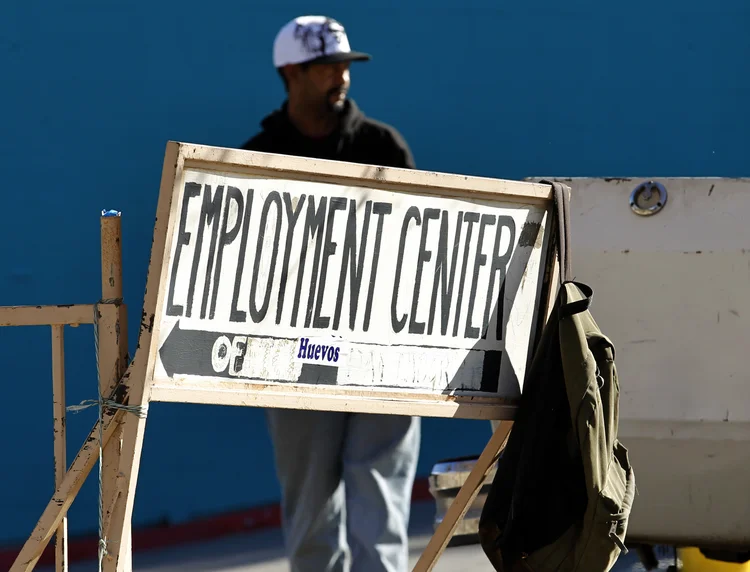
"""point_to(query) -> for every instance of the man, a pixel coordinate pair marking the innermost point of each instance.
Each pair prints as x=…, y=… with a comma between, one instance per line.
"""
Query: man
x=346, y=479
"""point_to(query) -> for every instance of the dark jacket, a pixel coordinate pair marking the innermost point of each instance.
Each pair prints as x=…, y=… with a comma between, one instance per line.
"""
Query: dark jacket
x=359, y=139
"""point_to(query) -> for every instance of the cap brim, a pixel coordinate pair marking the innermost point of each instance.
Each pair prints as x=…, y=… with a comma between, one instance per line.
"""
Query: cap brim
x=342, y=57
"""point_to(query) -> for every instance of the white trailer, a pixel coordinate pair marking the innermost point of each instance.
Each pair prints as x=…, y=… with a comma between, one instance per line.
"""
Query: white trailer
x=669, y=262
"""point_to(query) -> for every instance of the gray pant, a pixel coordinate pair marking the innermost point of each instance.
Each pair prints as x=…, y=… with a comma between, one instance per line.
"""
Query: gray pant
x=346, y=482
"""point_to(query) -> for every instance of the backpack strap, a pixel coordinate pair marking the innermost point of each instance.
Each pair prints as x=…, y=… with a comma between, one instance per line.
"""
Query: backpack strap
x=562, y=221
x=567, y=309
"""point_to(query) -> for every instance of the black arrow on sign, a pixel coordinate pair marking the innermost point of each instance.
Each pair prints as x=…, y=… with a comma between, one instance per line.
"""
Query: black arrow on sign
x=188, y=352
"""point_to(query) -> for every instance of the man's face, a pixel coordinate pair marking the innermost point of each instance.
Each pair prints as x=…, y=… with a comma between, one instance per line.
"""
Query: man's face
x=324, y=85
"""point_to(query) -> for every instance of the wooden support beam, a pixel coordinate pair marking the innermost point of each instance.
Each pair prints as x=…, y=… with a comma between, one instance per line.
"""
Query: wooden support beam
x=61, y=465
x=464, y=499
x=70, y=315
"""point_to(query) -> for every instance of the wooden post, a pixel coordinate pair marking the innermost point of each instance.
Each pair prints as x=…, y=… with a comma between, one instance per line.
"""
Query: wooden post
x=135, y=377
x=465, y=497
x=113, y=360
x=61, y=465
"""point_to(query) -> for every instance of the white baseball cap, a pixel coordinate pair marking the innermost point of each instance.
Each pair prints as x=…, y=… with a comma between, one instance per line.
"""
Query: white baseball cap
x=316, y=39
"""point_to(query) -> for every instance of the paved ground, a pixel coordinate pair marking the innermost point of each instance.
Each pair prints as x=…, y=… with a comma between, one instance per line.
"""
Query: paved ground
x=263, y=552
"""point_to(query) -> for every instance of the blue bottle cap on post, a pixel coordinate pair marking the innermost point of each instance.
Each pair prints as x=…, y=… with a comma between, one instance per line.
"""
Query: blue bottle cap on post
x=106, y=212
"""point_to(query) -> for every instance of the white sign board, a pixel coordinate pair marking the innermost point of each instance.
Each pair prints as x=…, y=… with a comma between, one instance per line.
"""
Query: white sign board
x=347, y=285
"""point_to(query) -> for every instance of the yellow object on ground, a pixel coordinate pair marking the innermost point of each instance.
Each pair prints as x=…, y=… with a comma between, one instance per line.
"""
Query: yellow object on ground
x=694, y=561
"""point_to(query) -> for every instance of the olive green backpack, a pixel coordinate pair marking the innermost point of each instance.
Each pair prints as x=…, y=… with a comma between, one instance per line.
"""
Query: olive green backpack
x=564, y=487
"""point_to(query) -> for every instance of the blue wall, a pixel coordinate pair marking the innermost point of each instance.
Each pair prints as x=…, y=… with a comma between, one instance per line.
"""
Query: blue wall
x=90, y=93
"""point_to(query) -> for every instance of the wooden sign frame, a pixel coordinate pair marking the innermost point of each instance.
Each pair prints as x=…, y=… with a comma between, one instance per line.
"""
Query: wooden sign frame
x=142, y=383
x=342, y=178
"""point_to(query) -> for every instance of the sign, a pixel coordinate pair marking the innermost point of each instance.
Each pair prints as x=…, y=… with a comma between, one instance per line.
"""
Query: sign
x=285, y=278
x=288, y=282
